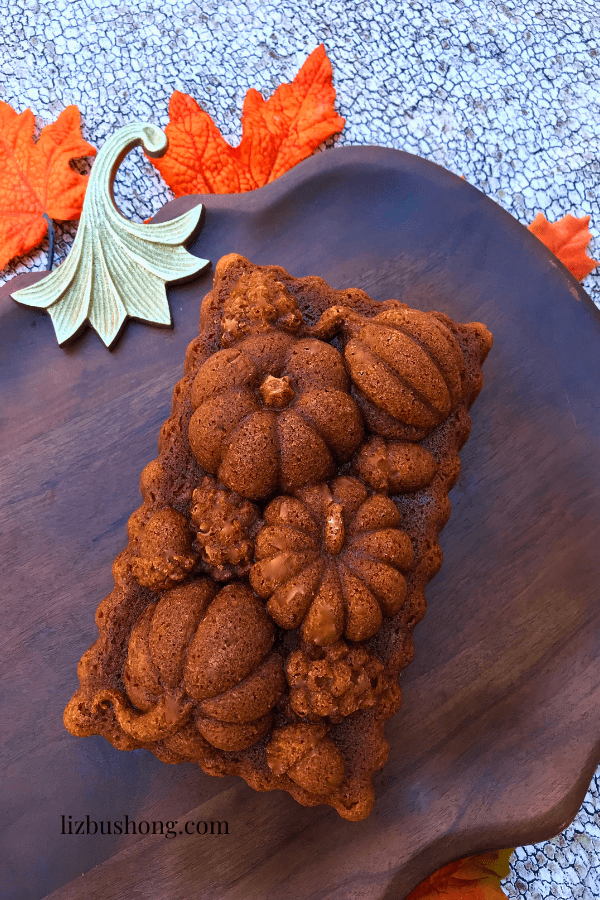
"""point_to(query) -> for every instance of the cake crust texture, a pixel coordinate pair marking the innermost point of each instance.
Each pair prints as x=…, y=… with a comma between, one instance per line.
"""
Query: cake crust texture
x=264, y=605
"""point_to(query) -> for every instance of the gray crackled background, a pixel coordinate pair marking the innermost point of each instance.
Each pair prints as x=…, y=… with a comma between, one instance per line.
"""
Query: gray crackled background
x=506, y=94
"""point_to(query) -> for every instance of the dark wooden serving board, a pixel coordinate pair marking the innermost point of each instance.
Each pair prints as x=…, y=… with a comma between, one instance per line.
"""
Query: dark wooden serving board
x=499, y=732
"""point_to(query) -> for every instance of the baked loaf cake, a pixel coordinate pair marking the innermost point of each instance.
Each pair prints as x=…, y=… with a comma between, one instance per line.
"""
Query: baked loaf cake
x=264, y=605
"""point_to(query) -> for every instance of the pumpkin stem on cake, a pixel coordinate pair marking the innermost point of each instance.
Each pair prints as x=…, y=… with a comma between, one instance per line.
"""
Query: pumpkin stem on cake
x=167, y=717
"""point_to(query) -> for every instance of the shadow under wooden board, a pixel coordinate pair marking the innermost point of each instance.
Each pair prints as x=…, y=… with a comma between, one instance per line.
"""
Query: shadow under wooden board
x=499, y=732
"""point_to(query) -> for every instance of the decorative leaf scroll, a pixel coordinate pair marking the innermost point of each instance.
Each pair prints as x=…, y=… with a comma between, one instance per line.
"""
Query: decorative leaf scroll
x=473, y=878
x=567, y=239
x=276, y=135
x=36, y=178
x=116, y=267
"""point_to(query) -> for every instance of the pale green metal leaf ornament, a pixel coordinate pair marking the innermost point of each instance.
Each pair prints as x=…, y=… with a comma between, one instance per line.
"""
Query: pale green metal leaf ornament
x=117, y=268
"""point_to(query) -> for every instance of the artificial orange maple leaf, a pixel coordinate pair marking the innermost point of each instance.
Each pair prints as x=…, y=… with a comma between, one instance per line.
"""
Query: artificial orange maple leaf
x=473, y=878
x=567, y=239
x=276, y=134
x=36, y=178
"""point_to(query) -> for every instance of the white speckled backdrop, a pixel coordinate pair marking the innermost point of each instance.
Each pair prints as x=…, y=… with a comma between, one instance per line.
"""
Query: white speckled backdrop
x=506, y=94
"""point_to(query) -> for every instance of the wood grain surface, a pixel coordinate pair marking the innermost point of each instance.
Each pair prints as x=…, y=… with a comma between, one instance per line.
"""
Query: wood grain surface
x=499, y=732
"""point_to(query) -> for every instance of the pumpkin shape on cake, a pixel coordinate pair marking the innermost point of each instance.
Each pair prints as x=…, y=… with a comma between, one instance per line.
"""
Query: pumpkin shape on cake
x=165, y=554
x=394, y=466
x=331, y=560
x=258, y=302
x=196, y=656
x=226, y=525
x=273, y=413
x=307, y=755
x=406, y=366
x=337, y=681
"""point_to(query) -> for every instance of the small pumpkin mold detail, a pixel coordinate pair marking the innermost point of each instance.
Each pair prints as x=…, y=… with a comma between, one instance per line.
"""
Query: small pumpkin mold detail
x=308, y=756
x=194, y=657
x=338, y=680
x=273, y=413
x=258, y=302
x=330, y=560
x=406, y=366
x=226, y=526
x=396, y=467
x=165, y=555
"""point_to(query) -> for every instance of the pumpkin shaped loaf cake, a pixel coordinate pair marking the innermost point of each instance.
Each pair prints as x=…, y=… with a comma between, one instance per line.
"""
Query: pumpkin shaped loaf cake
x=264, y=605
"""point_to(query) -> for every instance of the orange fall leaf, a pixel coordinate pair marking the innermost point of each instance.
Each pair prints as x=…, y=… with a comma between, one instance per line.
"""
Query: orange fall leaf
x=568, y=240
x=473, y=878
x=36, y=178
x=276, y=135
